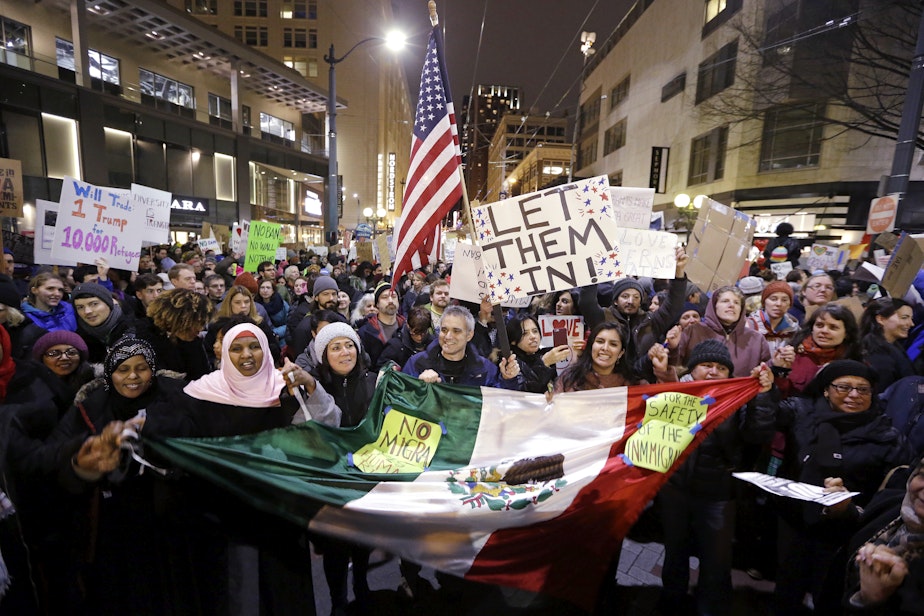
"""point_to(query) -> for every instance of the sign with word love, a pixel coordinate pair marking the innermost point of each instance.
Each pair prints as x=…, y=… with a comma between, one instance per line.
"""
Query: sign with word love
x=562, y=238
x=671, y=421
x=95, y=221
x=468, y=283
x=262, y=241
x=556, y=330
x=155, y=204
x=406, y=444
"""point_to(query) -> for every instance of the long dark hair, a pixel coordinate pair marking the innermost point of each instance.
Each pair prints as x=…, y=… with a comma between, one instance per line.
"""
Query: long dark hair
x=515, y=327
x=842, y=314
x=576, y=374
x=872, y=335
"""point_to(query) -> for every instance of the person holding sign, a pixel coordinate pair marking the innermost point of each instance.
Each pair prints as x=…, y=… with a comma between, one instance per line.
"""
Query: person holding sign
x=538, y=368
x=340, y=387
x=643, y=328
x=697, y=503
x=836, y=437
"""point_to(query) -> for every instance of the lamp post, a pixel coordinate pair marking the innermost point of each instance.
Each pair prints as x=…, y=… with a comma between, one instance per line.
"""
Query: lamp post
x=394, y=40
x=374, y=216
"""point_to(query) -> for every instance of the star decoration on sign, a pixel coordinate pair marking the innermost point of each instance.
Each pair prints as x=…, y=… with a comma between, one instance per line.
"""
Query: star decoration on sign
x=592, y=198
x=607, y=264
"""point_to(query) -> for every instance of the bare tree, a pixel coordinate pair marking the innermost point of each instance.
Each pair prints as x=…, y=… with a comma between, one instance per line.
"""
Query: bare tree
x=848, y=59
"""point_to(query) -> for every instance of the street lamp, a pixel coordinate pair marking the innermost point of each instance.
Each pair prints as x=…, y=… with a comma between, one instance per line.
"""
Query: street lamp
x=375, y=216
x=394, y=41
x=587, y=49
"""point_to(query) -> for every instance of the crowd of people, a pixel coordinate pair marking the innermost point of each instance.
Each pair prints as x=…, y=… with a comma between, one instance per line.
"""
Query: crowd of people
x=192, y=345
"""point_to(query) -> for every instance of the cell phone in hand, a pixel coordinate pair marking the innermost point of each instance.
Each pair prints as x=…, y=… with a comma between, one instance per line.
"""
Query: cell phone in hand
x=559, y=336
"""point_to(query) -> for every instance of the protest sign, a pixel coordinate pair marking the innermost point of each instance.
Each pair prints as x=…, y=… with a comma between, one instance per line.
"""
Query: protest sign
x=406, y=444
x=822, y=257
x=562, y=238
x=238, y=241
x=468, y=282
x=718, y=246
x=282, y=253
x=906, y=262
x=632, y=206
x=209, y=243
x=46, y=215
x=671, y=421
x=887, y=240
x=95, y=221
x=794, y=489
x=781, y=269
x=556, y=330
x=382, y=252
x=364, y=252
x=10, y=188
x=155, y=204
x=363, y=231
x=263, y=239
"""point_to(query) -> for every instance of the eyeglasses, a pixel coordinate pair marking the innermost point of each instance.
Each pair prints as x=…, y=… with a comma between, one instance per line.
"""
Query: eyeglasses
x=863, y=390
x=56, y=353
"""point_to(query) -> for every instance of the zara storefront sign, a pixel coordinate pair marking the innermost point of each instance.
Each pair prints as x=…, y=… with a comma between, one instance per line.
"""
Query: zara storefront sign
x=193, y=205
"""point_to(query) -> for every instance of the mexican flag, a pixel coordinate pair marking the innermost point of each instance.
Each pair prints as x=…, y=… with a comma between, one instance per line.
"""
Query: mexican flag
x=494, y=486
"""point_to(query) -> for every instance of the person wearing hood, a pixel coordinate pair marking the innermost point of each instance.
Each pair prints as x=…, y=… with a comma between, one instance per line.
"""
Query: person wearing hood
x=45, y=304
x=644, y=328
x=413, y=337
x=836, y=437
x=100, y=321
x=725, y=321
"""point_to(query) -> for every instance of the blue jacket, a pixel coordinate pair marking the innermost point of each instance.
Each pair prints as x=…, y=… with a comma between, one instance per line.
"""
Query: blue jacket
x=478, y=371
x=62, y=317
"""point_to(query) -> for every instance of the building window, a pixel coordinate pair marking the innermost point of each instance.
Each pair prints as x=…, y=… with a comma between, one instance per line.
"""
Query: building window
x=313, y=38
x=15, y=43
x=590, y=113
x=299, y=63
x=155, y=87
x=250, y=8
x=312, y=9
x=717, y=72
x=276, y=127
x=792, y=137
x=220, y=111
x=707, y=156
x=312, y=67
x=674, y=87
x=587, y=155
x=299, y=10
x=102, y=67
x=296, y=38
x=202, y=7
x=616, y=178
x=718, y=12
x=245, y=119
x=614, y=137
x=255, y=36
x=780, y=26
x=619, y=93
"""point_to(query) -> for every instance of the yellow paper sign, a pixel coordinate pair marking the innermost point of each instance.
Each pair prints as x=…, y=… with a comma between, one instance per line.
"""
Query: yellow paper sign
x=671, y=421
x=406, y=445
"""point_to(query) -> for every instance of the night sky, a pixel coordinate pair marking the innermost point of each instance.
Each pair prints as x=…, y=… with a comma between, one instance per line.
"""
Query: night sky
x=522, y=43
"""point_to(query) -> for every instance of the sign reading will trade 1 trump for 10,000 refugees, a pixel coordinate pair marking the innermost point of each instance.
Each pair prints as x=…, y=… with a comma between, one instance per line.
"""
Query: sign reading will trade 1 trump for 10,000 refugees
x=562, y=238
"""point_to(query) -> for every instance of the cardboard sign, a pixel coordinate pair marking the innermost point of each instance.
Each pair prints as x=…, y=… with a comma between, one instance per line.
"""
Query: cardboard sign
x=364, y=252
x=406, y=444
x=632, y=206
x=821, y=257
x=263, y=239
x=671, y=421
x=468, y=283
x=887, y=240
x=718, y=246
x=906, y=262
x=95, y=221
x=882, y=212
x=46, y=217
x=156, y=207
x=382, y=251
x=562, y=238
x=11, y=192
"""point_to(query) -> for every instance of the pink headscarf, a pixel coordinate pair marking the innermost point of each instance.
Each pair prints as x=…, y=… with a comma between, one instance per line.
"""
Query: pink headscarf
x=228, y=386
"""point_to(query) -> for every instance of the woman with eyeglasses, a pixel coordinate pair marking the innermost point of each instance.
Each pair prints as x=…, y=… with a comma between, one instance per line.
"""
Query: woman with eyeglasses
x=818, y=290
x=884, y=326
x=836, y=437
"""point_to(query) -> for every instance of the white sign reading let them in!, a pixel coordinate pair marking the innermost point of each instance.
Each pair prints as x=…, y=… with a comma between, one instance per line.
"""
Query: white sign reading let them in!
x=562, y=238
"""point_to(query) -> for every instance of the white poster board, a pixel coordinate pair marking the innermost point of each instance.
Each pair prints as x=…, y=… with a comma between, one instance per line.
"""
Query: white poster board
x=209, y=243
x=95, y=221
x=822, y=257
x=794, y=489
x=632, y=206
x=46, y=215
x=467, y=282
x=155, y=204
x=562, y=238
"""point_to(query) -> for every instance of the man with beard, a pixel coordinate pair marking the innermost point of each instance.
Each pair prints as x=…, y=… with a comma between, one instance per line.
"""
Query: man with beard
x=382, y=327
x=325, y=298
x=439, y=300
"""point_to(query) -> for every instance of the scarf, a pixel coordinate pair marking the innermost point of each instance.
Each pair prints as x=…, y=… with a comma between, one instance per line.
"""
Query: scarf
x=274, y=305
x=905, y=534
x=7, y=367
x=228, y=386
x=819, y=355
x=101, y=332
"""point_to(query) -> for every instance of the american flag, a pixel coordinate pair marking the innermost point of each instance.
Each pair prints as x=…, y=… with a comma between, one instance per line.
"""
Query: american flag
x=434, y=179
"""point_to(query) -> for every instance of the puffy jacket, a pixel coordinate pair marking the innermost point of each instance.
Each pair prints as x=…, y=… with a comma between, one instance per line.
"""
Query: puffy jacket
x=62, y=317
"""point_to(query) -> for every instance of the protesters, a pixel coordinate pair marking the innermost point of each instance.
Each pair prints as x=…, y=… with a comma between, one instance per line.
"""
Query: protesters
x=44, y=305
x=538, y=367
x=309, y=358
x=324, y=294
x=145, y=289
x=817, y=291
x=783, y=247
x=23, y=332
x=177, y=317
x=182, y=276
x=214, y=288
x=772, y=320
x=365, y=307
x=382, y=326
x=439, y=299
x=885, y=324
x=413, y=337
x=239, y=301
x=603, y=364
x=276, y=307
x=100, y=321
